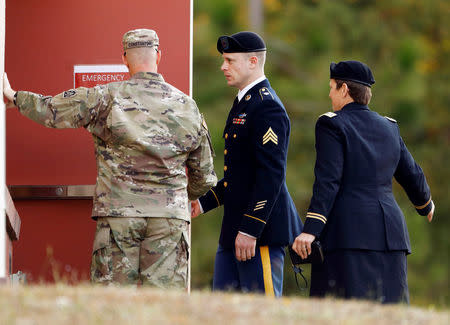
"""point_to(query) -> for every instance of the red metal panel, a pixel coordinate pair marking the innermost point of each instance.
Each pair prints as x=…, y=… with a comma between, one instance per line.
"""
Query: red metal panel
x=44, y=40
x=55, y=240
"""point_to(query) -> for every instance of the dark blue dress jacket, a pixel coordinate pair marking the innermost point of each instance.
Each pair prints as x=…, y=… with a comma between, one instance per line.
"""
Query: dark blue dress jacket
x=353, y=207
x=253, y=190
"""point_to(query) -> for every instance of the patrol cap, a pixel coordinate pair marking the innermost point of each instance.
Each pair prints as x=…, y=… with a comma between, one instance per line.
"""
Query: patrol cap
x=241, y=42
x=140, y=38
x=352, y=71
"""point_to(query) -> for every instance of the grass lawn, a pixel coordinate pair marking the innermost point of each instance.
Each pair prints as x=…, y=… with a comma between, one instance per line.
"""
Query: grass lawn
x=60, y=304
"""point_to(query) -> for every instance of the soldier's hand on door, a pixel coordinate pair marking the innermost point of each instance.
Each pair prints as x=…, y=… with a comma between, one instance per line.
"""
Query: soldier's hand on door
x=8, y=92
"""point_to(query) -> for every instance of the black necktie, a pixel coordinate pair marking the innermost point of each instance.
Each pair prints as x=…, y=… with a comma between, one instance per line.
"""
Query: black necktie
x=235, y=103
x=233, y=109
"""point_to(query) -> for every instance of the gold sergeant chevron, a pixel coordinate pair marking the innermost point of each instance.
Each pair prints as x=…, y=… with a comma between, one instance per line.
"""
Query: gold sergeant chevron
x=270, y=136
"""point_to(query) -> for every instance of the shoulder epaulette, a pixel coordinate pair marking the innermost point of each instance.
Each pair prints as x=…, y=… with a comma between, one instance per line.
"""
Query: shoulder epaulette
x=329, y=114
x=265, y=93
x=391, y=119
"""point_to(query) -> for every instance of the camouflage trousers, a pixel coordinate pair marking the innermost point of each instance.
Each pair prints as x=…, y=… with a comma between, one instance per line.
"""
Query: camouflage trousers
x=147, y=251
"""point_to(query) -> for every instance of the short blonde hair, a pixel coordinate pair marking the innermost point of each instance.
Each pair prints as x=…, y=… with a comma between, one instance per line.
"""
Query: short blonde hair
x=261, y=55
x=141, y=55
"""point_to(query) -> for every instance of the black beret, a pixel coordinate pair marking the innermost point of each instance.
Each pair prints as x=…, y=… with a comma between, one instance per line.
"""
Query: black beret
x=241, y=42
x=352, y=71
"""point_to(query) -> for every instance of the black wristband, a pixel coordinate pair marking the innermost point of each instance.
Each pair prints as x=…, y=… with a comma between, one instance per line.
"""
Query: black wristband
x=15, y=99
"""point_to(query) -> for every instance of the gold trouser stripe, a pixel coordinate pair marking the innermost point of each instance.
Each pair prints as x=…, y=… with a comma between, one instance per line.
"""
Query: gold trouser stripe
x=318, y=218
x=218, y=203
x=254, y=218
x=267, y=271
x=423, y=206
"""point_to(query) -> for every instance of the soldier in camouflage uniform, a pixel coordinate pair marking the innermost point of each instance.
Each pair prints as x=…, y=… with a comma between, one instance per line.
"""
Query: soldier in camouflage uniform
x=147, y=134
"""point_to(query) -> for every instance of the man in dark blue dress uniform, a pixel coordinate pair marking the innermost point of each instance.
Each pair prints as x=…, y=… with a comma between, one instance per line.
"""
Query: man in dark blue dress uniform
x=260, y=218
x=353, y=211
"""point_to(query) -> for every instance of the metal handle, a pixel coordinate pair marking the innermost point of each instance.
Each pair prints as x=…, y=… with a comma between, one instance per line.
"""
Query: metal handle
x=51, y=192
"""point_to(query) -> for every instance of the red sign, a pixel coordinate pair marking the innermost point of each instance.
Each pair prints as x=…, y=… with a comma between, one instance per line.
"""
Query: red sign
x=92, y=75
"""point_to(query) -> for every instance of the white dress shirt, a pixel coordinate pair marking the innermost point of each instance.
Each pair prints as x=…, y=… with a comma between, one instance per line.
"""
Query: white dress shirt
x=242, y=92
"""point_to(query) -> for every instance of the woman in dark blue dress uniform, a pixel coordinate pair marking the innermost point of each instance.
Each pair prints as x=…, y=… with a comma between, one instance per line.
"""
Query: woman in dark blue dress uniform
x=353, y=211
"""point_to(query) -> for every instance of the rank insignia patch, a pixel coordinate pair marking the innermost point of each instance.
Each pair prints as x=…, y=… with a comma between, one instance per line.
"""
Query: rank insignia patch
x=247, y=98
x=69, y=93
x=238, y=120
x=270, y=136
x=329, y=114
x=391, y=119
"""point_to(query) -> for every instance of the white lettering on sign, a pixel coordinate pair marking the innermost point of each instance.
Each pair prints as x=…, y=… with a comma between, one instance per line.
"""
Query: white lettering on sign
x=92, y=75
x=102, y=77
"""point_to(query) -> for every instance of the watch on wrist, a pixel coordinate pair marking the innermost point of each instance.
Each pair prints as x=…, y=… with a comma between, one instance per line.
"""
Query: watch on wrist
x=15, y=98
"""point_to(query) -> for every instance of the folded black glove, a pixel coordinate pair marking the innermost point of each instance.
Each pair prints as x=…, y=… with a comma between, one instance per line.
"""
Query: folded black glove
x=316, y=256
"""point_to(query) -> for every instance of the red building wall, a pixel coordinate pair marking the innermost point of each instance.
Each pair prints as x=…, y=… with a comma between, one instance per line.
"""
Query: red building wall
x=44, y=40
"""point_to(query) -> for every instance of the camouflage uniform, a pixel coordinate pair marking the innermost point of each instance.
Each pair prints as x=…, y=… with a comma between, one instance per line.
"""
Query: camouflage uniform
x=146, y=133
x=129, y=250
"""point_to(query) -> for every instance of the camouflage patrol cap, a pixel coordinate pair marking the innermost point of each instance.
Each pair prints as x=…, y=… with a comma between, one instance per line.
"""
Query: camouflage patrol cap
x=140, y=38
